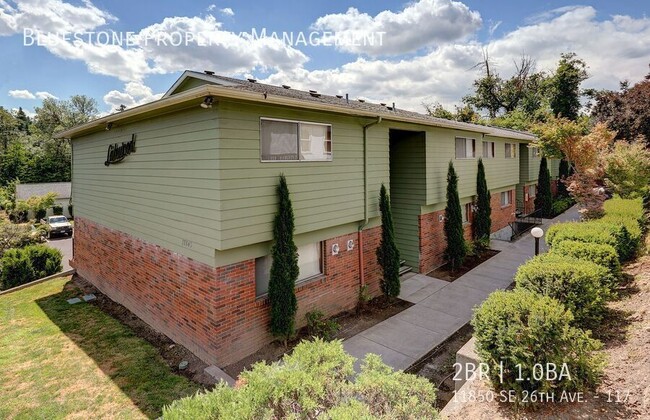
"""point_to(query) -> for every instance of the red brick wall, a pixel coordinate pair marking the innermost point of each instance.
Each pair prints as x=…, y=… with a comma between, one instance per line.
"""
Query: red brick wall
x=501, y=216
x=211, y=311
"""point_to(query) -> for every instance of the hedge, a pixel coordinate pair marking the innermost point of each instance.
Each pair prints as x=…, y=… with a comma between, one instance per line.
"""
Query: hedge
x=601, y=254
x=582, y=286
x=519, y=331
x=20, y=266
x=597, y=231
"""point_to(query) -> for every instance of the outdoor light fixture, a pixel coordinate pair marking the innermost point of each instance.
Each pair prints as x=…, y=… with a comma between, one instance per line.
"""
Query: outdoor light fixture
x=537, y=233
x=109, y=125
x=207, y=102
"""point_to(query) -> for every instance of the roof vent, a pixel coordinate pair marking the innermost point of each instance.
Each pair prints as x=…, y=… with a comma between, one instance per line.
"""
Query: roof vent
x=314, y=94
x=361, y=100
x=339, y=96
x=394, y=106
x=208, y=72
x=390, y=108
x=252, y=80
x=313, y=91
x=286, y=86
x=382, y=103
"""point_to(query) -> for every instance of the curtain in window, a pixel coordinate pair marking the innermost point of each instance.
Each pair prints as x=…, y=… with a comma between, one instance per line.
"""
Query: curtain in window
x=279, y=140
x=312, y=141
x=309, y=260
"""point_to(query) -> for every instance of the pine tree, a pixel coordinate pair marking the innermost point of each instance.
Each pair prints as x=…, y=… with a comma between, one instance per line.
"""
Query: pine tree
x=456, y=247
x=387, y=253
x=563, y=175
x=482, y=222
x=544, y=198
x=284, y=268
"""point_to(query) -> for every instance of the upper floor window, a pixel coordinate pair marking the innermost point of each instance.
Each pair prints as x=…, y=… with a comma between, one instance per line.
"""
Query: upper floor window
x=282, y=140
x=465, y=148
x=511, y=150
x=488, y=149
x=535, y=151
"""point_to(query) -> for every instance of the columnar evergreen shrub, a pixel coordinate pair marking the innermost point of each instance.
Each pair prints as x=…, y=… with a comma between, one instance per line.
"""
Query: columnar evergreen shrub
x=387, y=253
x=518, y=332
x=544, y=197
x=317, y=380
x=563, y=175
x=482, y=221
x=601, y=254
x=284, y=268
x=456, y=248
x=582, y=286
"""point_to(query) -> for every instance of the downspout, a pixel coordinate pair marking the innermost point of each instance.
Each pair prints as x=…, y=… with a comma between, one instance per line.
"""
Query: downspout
x=362, y=274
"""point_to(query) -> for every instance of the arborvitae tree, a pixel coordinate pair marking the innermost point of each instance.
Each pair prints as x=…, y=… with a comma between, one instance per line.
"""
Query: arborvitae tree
x=387, y=253
x=284, y=268
x=544, y=198
x=456, y=248
x=482, y=222
x=563, y=175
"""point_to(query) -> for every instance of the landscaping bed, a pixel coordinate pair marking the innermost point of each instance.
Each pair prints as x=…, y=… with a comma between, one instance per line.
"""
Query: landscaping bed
x=350, y=323
x=445, y=273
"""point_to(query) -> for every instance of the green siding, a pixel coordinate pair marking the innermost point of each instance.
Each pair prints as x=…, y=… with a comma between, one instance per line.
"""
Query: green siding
x=165, y=193
x=554, y=167
x=324, y=194
x=408, y=191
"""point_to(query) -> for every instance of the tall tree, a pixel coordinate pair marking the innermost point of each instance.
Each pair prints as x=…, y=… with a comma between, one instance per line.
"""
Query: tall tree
x=387, y=253
x=544, y=197
x=482, y=221
x=284, y=268
x=456, y=248
x=565, y=86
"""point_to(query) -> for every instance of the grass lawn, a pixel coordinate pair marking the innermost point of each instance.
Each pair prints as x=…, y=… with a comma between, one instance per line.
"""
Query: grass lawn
x=74, y=361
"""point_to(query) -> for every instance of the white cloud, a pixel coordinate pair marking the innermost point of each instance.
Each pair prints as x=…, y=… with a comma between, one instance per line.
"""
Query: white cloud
x=21, y=94
x=420, y=24
x=493, y=27
x=45, y=95
x=134, y=94
x=227, y=11
x=211, y=8
x=445, y=74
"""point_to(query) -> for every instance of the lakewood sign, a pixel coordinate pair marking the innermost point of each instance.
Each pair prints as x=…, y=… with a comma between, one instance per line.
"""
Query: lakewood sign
x=117, y=152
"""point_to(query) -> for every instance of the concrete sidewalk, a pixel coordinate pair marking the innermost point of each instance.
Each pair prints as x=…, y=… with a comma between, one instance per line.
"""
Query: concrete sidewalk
x=442, y=308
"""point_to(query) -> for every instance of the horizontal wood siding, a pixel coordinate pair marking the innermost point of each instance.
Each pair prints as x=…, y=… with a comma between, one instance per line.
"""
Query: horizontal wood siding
x=165, y=193
x=324, y=194
x=407, y=191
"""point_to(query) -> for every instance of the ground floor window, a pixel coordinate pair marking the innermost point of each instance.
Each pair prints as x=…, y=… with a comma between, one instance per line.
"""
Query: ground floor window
x=310, y=264
x=531, y=191
x=466, y=210
x=506, y=198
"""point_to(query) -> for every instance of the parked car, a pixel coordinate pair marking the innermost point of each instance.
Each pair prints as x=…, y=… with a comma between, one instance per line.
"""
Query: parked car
x=57, y=225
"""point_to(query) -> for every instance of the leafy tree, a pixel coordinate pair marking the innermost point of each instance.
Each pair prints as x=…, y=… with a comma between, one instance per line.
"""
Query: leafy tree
x=627, y=169
x=563, y=175
x=565, y=86
x=465, y=113
x=544, y=197
x=15, y=162
x=284, y=268
x=482, y=222
x=627, y=112
x=8, y=128
x=23, y=121
x=456, y=248
x=387, y=253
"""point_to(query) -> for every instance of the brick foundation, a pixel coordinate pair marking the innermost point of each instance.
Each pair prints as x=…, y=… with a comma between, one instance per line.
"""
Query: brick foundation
x=501, y=216
x=211, y=311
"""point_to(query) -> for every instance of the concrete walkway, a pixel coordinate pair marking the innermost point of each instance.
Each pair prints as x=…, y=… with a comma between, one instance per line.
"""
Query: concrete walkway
x=442, y=308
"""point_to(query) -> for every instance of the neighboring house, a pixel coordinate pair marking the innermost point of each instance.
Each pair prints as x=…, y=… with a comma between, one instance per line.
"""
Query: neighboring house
x=61, y=189
x=175, y=200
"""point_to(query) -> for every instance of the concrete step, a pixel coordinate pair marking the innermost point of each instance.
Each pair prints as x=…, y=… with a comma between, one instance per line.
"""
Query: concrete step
x=404, y=269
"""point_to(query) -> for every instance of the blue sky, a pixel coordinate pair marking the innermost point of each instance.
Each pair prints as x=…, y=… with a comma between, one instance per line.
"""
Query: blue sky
x=427, y=51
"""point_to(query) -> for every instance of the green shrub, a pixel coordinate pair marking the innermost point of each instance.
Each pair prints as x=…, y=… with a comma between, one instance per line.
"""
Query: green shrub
x=582, y=286
x=316, y=380
x=604, y=255
x=318, y=326
x=57, y=210
x=517, y=332
x=16, y=236
x=626, y=212
x=45, y=260
x=15, y=269
x=561, y=205
x=597, y=231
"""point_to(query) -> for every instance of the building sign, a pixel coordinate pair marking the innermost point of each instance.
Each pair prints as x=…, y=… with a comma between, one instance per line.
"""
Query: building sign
x=117, y=152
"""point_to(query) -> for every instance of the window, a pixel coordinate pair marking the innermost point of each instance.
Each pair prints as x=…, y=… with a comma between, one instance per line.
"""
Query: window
x=465, y=148
x=535, y=151
x=511, y=150
x=531, y=190
x=466, y=210
x=294, y=141
x=506, y=198
x=309, y=264
x=488, y=149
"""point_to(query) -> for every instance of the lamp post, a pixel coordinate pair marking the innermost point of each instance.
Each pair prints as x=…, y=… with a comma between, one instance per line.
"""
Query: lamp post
x=537, y=233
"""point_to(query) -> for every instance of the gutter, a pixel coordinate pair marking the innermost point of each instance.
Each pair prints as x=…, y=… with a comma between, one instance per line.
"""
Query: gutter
x=362, y=274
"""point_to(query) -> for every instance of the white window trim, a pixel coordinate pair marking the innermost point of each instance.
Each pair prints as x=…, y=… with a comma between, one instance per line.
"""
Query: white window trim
x=491, y=149
x=473, y=148
x=513, y=150
x=507, y=194
x=331, y=158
